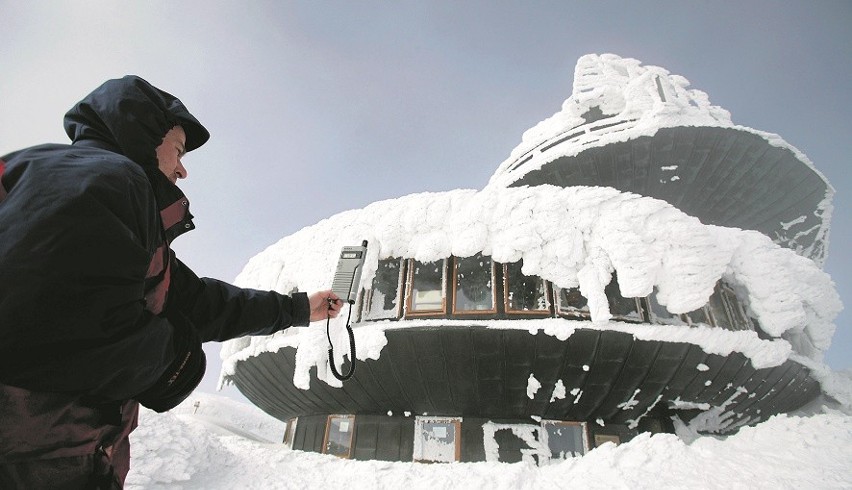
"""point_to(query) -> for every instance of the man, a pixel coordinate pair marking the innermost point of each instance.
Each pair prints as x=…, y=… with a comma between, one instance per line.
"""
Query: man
x=97, y=314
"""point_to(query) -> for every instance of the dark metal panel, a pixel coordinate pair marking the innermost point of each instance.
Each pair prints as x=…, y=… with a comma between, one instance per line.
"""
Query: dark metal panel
x=490, y=371
x=722, y=386
x=276, y=396
x=738, y=380
x=770, y=378
x=456, y=344
x=699, y=383
x=580, y=357
x=634, y=369
x=612, y=350
x=797, y=394
x=380, y=390
x=310, y=433
x=386, y=376
x=603, y=368
x=432, y=364
x=279, y=368
x=394, y=438
x=402, y=355
x=549, y=359
x=519, y=348
x=686, y=373
x=472, y=448
x=666, y=362
x=726, y=176
x=366, y=437
x=319, y=394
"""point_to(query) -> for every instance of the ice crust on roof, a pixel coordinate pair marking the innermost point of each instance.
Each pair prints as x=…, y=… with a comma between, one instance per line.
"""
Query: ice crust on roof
x=574, y=236
x=645, y=98
x=617, y=99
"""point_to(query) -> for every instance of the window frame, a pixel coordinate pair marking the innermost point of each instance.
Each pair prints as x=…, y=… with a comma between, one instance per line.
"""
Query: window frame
x=367, y=294
x=418, y=432
x=638, y=303
x=601, y=439
x=409, y=290
x=544, y=285
x=689, y=321
x=493, y=310
x=328, y=425
x=650, y=300
x=735, y=309
x=290, y=432
x=580, y=315
x=545, y=436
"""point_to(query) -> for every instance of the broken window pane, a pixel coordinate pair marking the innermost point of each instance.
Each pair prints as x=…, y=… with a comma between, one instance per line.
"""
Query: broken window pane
x=524, y=293
x=573, y=304
x=474, y=284
x=620, y=307
x=384, y=295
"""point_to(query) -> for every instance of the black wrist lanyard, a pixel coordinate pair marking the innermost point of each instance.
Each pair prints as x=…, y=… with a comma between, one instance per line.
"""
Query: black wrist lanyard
x=341, y=377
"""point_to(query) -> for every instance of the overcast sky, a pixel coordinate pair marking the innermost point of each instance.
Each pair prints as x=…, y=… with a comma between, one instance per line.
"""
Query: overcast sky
x=318, y=107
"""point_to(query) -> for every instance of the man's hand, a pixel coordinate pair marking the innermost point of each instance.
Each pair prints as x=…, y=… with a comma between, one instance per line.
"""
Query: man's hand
x=324, y=304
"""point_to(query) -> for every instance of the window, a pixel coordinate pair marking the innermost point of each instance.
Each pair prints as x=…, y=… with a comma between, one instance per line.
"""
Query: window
x=699, y=316
x=473, y=288
x=601, y=439
x=739, y=319
x=383, y=299
x=726, y=310
x=659, y=313
x=719, y=310
x=573, y=304
x=338, y=435
x=437, y=439
x=426, y=291
x=621, y=308
x=290, y=432
x=564, y=439
x=523, y=294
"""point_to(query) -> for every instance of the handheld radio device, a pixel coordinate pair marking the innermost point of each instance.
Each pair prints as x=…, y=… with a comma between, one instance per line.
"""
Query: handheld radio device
x=347, y=279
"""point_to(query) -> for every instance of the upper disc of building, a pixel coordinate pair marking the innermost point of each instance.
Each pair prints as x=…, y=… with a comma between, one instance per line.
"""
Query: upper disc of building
x=640, y=129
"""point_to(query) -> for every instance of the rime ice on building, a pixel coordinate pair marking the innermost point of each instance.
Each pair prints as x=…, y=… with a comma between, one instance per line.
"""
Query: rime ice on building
x=637, y=261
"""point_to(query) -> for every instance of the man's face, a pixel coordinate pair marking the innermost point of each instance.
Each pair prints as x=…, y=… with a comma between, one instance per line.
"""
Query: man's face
x=169, y=153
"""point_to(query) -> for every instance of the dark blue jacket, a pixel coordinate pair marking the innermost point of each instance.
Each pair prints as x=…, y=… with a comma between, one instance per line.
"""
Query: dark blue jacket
x=92, y=299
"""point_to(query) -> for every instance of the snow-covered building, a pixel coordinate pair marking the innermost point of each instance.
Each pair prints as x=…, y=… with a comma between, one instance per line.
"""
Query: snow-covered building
x=638, y=262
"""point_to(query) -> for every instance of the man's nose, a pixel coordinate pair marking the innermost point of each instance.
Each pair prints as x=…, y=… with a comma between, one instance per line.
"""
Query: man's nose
x=181, y=171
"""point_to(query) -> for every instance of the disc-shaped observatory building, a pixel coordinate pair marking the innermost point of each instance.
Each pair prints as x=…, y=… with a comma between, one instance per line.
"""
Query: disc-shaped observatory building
x=638, y=264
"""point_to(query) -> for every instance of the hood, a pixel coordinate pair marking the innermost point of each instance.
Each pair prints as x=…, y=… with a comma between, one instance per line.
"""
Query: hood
x=130, y=116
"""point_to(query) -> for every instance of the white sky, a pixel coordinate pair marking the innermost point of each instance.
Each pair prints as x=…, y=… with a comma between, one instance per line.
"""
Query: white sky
x=319, y=107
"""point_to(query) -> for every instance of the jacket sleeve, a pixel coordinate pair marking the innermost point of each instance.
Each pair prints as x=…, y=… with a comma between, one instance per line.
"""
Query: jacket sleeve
x=222, y=311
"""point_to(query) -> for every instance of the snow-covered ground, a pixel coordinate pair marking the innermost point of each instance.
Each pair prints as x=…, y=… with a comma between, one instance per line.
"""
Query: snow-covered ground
x=222, y=444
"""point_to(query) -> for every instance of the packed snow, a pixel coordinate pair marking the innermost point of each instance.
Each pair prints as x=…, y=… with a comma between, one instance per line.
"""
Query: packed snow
x=575, y=236
x=638, y=100
x=210, y=442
